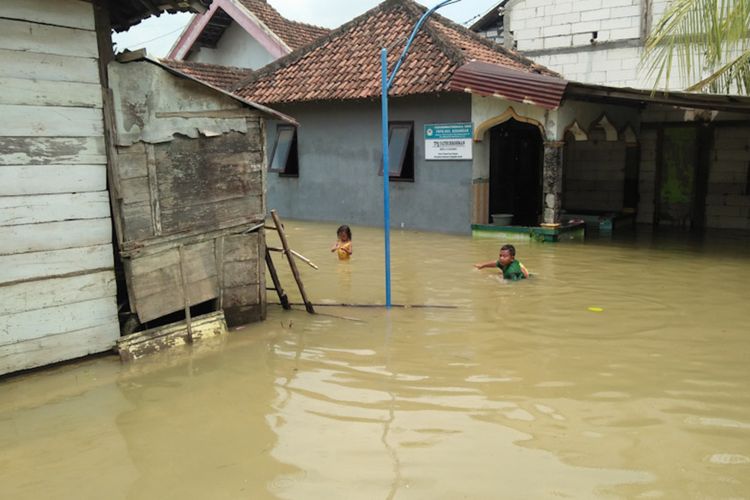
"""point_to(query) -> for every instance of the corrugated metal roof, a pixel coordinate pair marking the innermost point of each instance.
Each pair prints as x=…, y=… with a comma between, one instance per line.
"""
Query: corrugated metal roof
x=499, y=81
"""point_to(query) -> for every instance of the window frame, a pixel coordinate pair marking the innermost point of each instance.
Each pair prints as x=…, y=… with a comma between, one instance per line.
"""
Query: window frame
x=291, y=164
x=407, y=158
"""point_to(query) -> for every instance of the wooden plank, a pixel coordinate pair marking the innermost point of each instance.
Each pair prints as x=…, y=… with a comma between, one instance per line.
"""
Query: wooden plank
x=52, y=151
x=238, y=247
x=44, y=93
x=44, y=351
x=51, y=179
x=240, y=273
x=16, y=210
x=47, y=121
x=26, y=266
x=153, y=190
x=68, y=13
x=54, y=68
x=65, y=318
x=55, y=236
x=156, y=306
x=132, y=162
x=53, y=292
x=209, y=215
x=30, y=37
x=203, y=181
x=136, y=221
x=135, y=190
x=149, y=263
x=163, y=271
x=137, y=345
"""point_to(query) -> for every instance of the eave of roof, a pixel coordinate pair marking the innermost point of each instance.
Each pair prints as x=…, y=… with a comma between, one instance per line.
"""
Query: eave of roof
x=126, y=13
x=548, y=92
x=491, y=15
x=640, y=97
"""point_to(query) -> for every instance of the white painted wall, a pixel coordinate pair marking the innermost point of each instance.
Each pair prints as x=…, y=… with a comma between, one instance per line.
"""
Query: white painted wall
x=57, y=285
x=235, y=48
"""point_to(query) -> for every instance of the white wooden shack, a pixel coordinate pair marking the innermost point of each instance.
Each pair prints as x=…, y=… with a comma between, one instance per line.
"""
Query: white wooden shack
x=58, y=292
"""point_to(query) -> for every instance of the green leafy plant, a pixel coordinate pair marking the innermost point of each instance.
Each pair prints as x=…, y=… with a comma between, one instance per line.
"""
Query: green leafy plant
x=707, y=40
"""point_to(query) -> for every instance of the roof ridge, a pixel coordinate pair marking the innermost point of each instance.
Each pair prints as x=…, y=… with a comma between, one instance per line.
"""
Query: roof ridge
x=453, y=52
x=298, y=54
x=168, y=60
x=493, y=45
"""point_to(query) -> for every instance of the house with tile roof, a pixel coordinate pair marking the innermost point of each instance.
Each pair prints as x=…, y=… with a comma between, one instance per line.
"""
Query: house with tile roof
x=242, y=33
x=542, y=149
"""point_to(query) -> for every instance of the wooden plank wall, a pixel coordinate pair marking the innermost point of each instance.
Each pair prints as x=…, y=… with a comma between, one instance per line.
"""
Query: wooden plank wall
x=199, y=193
x=226, y=268
x=57, y=286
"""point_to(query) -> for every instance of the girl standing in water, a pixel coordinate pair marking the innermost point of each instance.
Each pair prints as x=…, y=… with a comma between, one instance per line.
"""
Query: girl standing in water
x=343, y=246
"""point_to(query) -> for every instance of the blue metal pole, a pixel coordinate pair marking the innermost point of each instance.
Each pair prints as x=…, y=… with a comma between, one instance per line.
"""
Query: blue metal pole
x=386, y=171
x=386, y=85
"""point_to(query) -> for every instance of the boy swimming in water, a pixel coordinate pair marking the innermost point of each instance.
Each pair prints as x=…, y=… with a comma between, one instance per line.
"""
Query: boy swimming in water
x=510, y=268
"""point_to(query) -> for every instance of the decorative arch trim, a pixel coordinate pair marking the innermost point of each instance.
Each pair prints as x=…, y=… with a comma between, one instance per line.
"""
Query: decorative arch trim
x=576, y=131
x=604, y=123
x=509, y=114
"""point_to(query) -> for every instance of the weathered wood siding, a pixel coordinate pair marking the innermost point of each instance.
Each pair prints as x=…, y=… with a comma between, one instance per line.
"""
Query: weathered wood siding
x=57, y=286
x=190, y=167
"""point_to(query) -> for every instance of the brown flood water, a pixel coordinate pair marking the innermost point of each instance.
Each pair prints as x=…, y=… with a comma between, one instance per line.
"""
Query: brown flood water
x=521, y=392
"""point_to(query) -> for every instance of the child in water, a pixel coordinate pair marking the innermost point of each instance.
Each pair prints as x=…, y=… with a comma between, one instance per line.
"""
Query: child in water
x=343, y=246
x=510, y=268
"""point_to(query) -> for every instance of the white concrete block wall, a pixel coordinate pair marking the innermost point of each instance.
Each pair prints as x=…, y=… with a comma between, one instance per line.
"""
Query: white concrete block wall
x=563, y=23
x=555, y=25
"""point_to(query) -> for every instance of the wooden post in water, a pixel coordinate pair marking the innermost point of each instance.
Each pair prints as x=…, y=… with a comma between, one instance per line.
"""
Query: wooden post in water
x=276, y=282
x=292, y=264
x=185, y=294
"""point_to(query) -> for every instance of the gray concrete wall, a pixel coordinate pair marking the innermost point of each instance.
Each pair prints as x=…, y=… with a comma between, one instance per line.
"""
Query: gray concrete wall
x=594, y=173
x=339, y=157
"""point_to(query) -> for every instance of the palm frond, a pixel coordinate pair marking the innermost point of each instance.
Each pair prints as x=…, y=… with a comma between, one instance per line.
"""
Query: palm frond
x=700, y=38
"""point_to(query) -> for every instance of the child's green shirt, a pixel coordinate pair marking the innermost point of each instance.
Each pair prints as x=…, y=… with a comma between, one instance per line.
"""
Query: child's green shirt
x=512, y=271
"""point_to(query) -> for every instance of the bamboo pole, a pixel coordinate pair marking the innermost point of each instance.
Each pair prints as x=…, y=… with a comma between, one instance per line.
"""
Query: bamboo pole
x=276, y=282
x=292, y=264
x=298, y=255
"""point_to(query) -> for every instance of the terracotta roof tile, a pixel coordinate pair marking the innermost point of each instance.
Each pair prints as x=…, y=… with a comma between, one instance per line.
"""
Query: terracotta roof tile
x=346, y=63
x=223, y=77
x=296, y=35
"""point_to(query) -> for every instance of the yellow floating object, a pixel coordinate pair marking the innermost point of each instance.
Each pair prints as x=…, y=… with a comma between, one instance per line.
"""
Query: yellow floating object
x=596, y=309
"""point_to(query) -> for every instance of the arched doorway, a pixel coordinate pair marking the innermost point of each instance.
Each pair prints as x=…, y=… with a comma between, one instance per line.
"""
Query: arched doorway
x=516, y=158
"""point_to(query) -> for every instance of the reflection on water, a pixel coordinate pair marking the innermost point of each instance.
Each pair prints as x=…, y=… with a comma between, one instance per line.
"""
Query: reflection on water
x=620, y=370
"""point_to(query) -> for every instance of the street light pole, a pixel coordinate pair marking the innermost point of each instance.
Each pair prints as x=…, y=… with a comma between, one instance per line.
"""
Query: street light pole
x=387, y=83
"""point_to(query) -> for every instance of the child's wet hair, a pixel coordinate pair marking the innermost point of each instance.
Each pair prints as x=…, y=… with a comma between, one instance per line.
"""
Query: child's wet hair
x=345, y=229
x=510, y=248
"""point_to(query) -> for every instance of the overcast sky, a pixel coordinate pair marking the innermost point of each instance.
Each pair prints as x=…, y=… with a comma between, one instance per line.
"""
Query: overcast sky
x=157, y=34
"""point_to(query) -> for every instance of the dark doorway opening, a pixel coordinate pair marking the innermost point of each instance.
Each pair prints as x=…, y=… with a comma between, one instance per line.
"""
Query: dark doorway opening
x=682, y=176
x=516, y=158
